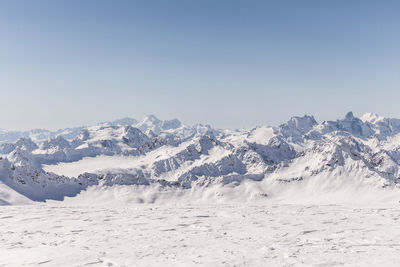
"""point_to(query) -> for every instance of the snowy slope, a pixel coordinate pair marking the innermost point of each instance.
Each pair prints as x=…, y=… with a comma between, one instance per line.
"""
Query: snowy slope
x=300, y=156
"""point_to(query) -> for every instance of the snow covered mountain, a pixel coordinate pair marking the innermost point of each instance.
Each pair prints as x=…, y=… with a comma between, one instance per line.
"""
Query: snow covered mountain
x=301, y=155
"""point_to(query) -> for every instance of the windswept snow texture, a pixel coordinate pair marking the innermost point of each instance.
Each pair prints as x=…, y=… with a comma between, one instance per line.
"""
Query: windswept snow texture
x=199, y=235
x=300, y=160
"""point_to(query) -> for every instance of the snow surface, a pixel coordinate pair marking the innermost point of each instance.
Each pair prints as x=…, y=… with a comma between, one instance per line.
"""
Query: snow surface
x=199, y=235
x=91, y=164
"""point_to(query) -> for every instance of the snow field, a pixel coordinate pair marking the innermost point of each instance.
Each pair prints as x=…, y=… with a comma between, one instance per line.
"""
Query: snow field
x=199, y=235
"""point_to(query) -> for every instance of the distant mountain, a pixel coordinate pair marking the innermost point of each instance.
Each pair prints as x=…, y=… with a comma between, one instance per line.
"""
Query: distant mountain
x=149, y=123
x=302, y=153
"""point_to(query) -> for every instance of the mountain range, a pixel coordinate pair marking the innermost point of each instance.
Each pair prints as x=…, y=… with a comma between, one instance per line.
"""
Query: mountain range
x=300, y=154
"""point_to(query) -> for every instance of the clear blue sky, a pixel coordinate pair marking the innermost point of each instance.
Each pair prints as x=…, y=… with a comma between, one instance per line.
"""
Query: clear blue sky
x=227, y=63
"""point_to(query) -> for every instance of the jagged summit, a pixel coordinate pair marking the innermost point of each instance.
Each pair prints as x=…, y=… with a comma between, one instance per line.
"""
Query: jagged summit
x=151, y=119
x=371, y=117
x=124, y=121
x=302, y=124
x=349, y=116
x=171, y=124
x=296, y=127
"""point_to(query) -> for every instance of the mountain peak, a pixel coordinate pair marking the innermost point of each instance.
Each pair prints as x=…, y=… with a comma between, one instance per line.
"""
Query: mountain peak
x=371, y=117
x=124, y=121
x=171, y=124
x=306, y=119
x=304, y=123
x=349, y=115
x=151, y=118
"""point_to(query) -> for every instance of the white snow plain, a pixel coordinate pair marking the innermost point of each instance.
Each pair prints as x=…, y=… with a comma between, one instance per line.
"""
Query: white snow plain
x=63, y=234
x=91, y=164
